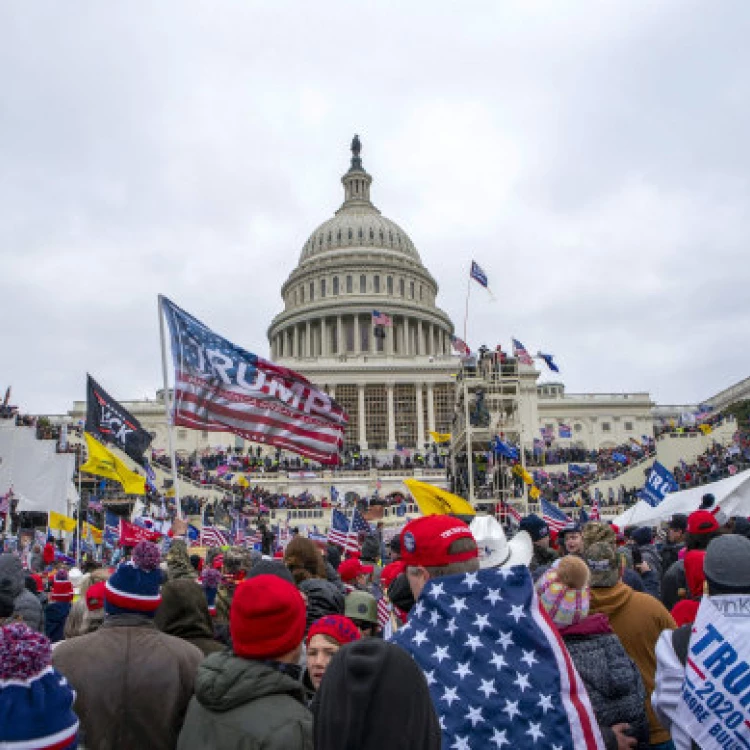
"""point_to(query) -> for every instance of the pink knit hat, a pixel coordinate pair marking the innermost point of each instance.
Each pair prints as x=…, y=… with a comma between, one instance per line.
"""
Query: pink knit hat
x=564, y=591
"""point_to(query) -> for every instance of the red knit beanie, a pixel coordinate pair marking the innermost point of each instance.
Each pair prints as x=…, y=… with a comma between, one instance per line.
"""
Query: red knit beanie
x=338, y=627
x=267, y=618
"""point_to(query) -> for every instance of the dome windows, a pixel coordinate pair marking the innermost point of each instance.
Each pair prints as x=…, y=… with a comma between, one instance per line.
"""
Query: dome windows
x=362, y=284
x=382, y=238
x=372, y=234
x=360, y=234
x=351, y=234
x=349, y=285
x=312, y=291
x=411, y=290
x=376, y=284
x=335, y=286
x=322, y=287
x=389, y=284
x=402, y=287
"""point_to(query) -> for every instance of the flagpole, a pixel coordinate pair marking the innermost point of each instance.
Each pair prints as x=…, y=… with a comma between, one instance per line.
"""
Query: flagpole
x=78, y=534
x=466, y=309
x=168, y=410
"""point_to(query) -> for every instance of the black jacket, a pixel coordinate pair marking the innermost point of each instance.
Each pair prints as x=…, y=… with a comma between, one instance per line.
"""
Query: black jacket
x=323, y=598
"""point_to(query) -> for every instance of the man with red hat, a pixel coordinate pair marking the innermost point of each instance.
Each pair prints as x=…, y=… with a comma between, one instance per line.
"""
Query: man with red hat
x=354, y=574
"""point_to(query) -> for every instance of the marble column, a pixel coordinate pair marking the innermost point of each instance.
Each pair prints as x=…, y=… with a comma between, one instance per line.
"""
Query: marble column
x=430, y=407
x=420, y=417
x=362, y=418
x=391, y=419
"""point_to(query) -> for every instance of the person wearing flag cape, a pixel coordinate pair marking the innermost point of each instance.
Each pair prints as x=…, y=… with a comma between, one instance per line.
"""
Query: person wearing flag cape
x=498, y=672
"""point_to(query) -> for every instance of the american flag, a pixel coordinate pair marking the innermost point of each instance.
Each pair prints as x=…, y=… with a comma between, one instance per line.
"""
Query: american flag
x=211, y=536
x=460, y=346
x=381, y=319
x=111, y=528
x=223, y=388
x=384, y=611
x=553, y=516
x=5, y=501
x=342, y=535
x=95, y=505
x=499, y=673
x=478, y=274
x=519, y=350
x=509, y=511
x=594, y=515
x=238, y=532
x=254, y=537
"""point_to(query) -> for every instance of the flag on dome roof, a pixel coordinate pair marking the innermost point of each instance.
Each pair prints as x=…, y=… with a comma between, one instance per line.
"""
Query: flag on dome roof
x=478, y=274
x=498, y=671
x=381, y=319
x=223, y=388
x=548, y=361
x=519, y=350
x=460, y=346
x=553, y=516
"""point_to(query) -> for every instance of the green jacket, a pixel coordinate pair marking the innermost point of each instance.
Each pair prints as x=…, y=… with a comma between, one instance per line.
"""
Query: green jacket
x=246, y=705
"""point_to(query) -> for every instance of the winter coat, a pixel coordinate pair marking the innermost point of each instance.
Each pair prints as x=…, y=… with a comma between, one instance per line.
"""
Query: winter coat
x=651, y=556
x=612, y=680
x=371, y=548
x=542, y=558
x=248, y=705
x=27, y=606
x=55, y=617
x=323, y=598
x=48, y=555
x=184, y=614
x=673, y=584
x=133, y=683
x=638, y=620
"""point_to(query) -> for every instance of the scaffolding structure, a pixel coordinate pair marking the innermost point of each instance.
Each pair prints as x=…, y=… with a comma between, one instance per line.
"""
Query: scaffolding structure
x=487, y=405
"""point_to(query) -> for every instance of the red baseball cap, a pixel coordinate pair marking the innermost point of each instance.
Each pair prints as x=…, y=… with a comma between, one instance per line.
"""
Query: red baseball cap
x=350, y=569
x=702, y=522
x=95, y=596
x=390, y=572
x=425, y=541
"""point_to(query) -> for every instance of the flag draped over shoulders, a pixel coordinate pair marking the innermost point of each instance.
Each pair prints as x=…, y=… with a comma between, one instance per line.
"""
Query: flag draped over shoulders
x=498, y=671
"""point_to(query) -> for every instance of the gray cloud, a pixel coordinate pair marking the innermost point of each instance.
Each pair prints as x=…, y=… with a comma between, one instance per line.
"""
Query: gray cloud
x=592, y=158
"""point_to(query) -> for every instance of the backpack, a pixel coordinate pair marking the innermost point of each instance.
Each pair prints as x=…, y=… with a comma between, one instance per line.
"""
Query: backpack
x=680, y=644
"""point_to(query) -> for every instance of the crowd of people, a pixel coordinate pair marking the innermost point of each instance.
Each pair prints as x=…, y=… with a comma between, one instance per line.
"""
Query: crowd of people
x=415, y=644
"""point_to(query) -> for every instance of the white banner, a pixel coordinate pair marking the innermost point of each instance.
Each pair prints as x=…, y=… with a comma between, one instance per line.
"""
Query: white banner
x=716, y=692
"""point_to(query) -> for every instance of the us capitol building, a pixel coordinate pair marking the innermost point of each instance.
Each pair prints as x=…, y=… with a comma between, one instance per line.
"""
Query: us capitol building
x=396, y=382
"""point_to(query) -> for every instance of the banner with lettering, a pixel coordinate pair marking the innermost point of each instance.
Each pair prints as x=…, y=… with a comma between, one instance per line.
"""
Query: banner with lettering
x=659, y=484
x=716, y=691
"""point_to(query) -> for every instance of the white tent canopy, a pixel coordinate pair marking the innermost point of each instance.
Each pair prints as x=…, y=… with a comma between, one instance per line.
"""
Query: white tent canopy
x=732, y=495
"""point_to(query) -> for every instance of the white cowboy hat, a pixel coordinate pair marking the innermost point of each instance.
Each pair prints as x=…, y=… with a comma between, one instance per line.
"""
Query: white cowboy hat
x=495, y=551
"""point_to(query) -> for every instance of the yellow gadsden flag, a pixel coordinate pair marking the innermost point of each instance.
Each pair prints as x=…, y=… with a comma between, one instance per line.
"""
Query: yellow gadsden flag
x=705, y=428
x=518, y=470
x=440, y=437
x=434, y=501
x=59, y=522
x=103, y=463
x=534, y=493
x=242, y=481
x=96, y=534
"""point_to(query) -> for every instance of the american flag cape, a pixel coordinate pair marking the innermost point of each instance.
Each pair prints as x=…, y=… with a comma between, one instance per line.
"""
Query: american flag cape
x=499, y=673
x=223, y=388
x=553, y=516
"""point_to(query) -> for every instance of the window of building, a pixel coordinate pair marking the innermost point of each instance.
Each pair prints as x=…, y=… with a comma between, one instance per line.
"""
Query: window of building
x=349, y=285
x=421, y=292
x=302, y=294
x=295, y=296
x=182, y=434
x=443, y=398
x=362, y=284
x=405, y=415
x=348, y=399
x=312, y=291
x=376, y=411
x=389, y=285
x=349, y=334
x=376, y=284
x=322, y=287
x=411, y=290
x=402, y=287
x=335, y=285
x=350, y=233
x=628, y=426
x=606, y=427
x=578, y=427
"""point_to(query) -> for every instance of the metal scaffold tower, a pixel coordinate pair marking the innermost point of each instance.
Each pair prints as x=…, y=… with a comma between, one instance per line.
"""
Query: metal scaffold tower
x=487, y=405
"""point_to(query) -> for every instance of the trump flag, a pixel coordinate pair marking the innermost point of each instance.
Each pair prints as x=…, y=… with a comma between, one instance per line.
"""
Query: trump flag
x=223, y=388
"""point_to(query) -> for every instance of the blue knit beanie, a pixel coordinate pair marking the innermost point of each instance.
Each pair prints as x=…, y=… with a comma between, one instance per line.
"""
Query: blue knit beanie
x=134, y=588
x=535, y=526
x=36, y=701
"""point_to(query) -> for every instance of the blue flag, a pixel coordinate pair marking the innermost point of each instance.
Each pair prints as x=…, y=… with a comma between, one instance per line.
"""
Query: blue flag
x=549, y=361
x=621, y=458
x=501, y=448
x=478, y=274
x=498, y=671
x=659, y=484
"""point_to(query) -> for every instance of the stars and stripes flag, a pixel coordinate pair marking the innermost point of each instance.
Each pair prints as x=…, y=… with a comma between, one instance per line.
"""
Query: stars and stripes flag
x=519, y=350
x=381, y=319
x=507, y=510
x=478, y=274
x=499, y=673
x=460, y=346
x=223, y=388
x=595, y=515
x=342, y=534
x=553, y=516
x=211, y=536
x=384, y=612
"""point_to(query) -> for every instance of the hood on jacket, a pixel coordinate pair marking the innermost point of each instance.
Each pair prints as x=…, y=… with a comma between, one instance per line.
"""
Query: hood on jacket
x=596, y=624
x=610, y=600
x=694, y=575
x=323, y=598
x=224, y=681
x=11, y=575
x=184, y=610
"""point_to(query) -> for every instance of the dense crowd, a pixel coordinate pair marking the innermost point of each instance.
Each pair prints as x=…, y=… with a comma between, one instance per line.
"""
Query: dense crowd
x=317, y=647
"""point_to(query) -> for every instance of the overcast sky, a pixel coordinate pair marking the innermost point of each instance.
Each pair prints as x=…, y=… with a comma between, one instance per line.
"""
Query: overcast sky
x=592, y=157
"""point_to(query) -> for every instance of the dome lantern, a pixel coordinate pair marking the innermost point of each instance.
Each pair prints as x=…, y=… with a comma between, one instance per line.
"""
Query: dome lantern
x=356, y=181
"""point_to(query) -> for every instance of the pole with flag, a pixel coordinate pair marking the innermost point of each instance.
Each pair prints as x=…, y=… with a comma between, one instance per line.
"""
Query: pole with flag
x=168, y=410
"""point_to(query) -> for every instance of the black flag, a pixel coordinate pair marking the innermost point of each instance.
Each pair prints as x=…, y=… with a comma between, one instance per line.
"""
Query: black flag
x=111, y=423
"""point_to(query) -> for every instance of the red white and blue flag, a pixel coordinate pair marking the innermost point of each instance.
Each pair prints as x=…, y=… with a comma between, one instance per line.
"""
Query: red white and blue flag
x=553, y=516
x=213, y=537
x=478, y=274
x=223, y=388
x=341, y=533
x=460, y=346
x=595, y=515
x=499, y=673
x=381, y=319
x=519, y=350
